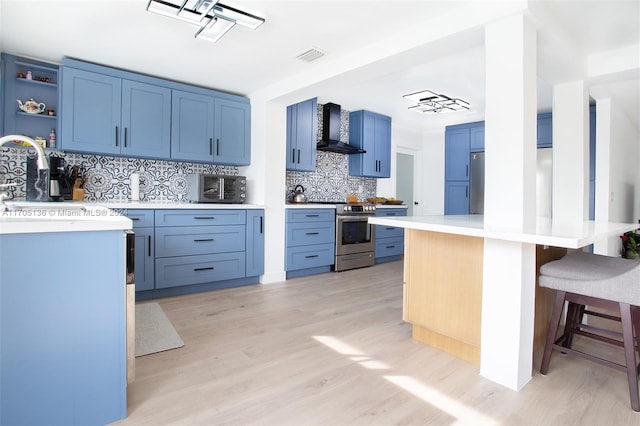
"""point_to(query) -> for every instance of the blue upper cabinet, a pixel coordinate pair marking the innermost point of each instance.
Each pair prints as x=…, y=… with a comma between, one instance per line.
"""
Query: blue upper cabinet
x=42, y=87
x=477, y=138
x=146, y=120
x=302, y=135
x=109, y=115
x=545, y=130
x=192, y=127
x=91, y=108
x=232, y=132
x=372, y=132
x=115, y=112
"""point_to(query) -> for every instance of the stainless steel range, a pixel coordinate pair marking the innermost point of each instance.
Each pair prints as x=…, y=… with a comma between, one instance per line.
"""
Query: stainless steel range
x=355, y=237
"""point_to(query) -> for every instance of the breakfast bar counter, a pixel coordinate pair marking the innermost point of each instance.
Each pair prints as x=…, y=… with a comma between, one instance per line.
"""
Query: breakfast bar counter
x=444, y=268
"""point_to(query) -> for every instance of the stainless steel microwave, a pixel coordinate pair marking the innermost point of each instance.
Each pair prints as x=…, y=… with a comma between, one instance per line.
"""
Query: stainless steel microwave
x=207, y=188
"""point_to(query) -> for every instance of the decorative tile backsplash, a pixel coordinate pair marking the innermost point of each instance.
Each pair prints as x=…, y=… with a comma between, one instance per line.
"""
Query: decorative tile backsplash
x=108, y=177
x=331, y=180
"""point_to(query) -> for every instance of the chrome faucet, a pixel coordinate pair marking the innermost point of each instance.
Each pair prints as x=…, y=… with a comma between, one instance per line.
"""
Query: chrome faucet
x=41, y=161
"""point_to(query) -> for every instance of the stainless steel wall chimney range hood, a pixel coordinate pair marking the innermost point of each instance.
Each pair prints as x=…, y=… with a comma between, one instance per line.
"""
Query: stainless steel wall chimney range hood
x=331, y=132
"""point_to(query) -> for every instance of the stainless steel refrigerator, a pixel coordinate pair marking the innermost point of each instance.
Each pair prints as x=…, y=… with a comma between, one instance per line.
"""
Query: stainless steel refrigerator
x=544, y=178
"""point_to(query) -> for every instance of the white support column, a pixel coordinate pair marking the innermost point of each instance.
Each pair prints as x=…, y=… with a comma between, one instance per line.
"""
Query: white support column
x=570, y=154
x=508, y=292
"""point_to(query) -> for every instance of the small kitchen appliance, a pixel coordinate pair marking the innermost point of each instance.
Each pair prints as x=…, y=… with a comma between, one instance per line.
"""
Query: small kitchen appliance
x=297, y=195
x=209, y=188
x=56, y=178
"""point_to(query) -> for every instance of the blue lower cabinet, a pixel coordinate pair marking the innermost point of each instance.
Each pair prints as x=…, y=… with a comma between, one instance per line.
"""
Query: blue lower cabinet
x=181, y=251
x=63, y=335
x=310, y=241
x=189, y=270
x=389, y=239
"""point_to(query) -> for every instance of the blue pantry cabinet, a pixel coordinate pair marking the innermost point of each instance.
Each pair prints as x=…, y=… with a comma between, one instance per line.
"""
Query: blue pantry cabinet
x=302, y=135
x=372, y=132
x=110, y=115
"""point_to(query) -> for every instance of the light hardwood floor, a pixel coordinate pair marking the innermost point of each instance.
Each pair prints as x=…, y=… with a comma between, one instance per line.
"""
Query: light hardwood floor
x=332, y=349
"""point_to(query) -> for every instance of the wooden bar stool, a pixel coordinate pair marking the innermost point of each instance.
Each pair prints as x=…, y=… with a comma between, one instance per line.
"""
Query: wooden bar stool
x=590, y=280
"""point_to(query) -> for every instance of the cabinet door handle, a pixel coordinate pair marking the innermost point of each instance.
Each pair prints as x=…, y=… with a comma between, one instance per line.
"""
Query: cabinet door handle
x=210, y=268
x=298, y=156
x=117, y=136
x=466, y=192
x=204, y=217
x=311, y=256
x=210, y=146
x=125, y=137
x=149, y=246
x=293, y=155
x=466, y=171
x=204, y=240
x=261, y=225
x=218, y=146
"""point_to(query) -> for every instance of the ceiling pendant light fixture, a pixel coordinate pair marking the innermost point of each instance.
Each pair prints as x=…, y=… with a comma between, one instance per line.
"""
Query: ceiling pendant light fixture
x=429, y=102
x=214, y=19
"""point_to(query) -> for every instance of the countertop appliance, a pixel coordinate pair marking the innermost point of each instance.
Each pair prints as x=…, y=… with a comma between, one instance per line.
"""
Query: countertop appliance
x=544, y=178
x=355, y=237
x=209, y=188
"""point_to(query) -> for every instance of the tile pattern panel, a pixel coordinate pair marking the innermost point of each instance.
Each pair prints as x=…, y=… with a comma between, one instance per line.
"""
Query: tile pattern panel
x=108, y=178
x=331, y=180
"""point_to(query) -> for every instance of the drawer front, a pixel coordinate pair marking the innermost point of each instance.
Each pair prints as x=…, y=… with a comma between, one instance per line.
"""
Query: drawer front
x=310, y=215
x=383, y=231
x=389, y=246
x=200, y=217
x=302, y=234
x=192, y=240
x=188, y=270
x=141, y=218
x=309, y=256
x=391, y=212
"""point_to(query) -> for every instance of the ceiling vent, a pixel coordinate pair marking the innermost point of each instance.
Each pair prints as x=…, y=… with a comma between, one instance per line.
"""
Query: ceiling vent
x=311, y=55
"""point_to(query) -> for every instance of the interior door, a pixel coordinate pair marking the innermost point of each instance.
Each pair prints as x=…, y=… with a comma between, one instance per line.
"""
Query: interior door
x=405, y=180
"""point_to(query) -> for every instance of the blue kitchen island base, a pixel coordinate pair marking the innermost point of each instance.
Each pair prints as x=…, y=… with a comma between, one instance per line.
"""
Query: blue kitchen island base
x=62, y=328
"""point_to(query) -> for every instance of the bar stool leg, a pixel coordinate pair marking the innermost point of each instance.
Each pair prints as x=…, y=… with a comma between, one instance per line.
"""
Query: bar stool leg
x=553, y=330
x=630, y=354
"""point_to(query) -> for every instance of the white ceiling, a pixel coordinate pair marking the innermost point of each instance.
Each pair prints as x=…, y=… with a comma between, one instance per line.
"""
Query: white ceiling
x=122, y=34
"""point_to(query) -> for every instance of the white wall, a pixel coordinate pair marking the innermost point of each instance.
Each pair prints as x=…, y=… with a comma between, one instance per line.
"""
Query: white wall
x=617, y=171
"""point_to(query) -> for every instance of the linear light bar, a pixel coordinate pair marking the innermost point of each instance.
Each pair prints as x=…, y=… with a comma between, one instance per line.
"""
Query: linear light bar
x=431, y=102
x=214, y=19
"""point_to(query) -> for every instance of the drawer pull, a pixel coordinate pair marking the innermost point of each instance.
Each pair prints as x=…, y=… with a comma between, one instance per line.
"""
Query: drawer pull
x=210, y=268
x=312, y=215
x=390, y=247
x=389, y=228
x=311, y=256
x=134, y=218
x=312, y=233
x=203, y=240
x=204, y=217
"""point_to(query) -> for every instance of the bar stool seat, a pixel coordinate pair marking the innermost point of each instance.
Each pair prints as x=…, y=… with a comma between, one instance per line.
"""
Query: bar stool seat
x=591, y=280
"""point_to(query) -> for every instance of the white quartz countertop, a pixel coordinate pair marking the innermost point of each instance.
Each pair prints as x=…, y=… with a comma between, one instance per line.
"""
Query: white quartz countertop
x=546, y=231
x=25, y=217
x=333, y=206
x=35, y=217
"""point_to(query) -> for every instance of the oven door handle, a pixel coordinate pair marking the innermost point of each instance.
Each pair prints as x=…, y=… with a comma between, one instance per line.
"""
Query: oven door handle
x=352, y=218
